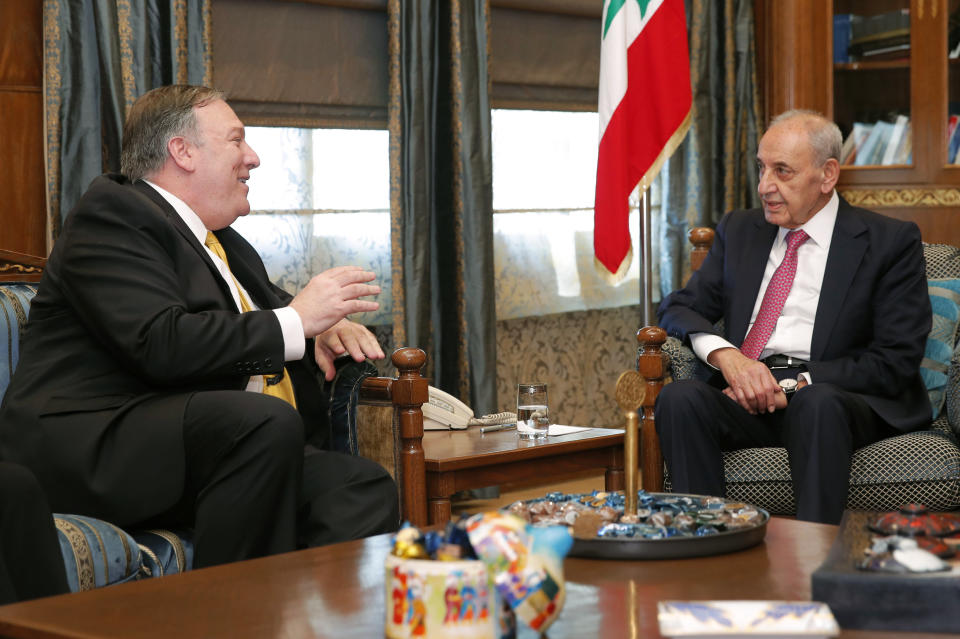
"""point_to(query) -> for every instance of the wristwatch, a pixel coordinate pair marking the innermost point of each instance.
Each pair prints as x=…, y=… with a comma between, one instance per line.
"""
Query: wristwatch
x=788, y=386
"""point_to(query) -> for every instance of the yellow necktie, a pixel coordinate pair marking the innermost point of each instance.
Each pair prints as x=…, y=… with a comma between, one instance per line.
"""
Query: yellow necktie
x=284, y=388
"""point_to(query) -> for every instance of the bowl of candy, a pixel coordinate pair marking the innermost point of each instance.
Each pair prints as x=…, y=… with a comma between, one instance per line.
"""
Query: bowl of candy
x=665, y=526
x=475, y=579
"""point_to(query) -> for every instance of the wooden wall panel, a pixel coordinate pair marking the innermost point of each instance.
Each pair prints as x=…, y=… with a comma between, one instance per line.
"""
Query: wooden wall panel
x=22, y=220
x=21, y=43
x=22, y=173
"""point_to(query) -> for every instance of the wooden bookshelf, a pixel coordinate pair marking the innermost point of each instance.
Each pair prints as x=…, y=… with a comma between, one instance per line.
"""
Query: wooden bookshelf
x=796, y=70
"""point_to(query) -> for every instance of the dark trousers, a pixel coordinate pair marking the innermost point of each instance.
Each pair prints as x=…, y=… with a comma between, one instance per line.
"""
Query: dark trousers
x=820, y=428
x=252, y=488
x=31, y=564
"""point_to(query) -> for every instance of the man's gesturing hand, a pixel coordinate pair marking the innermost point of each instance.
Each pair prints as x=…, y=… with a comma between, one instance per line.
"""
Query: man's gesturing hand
x=332, y=295
x=344, y=337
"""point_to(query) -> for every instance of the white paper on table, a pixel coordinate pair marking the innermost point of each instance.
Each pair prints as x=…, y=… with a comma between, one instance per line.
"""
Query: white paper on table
x=559, y=429
x=767, y=619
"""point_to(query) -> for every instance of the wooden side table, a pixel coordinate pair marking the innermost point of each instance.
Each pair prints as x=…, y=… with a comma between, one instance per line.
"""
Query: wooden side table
x=465, y=459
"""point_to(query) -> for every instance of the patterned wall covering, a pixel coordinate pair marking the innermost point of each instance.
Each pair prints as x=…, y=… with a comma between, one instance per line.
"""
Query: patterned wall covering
x=578, y=354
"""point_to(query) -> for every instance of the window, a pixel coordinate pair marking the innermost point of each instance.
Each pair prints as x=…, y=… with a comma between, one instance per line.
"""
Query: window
x=544, y=175
x=321, y=198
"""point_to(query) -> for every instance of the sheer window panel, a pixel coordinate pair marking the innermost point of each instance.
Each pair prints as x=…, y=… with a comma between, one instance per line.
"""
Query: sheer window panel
x=544, y=176
x=320, y=199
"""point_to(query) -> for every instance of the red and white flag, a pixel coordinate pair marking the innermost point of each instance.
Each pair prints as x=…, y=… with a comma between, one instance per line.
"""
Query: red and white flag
x=644, y=108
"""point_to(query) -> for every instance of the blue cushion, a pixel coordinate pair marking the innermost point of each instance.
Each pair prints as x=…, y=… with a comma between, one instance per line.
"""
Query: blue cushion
x=14, y=307
x=165, y=552
x=96, y=553
x=945, y=300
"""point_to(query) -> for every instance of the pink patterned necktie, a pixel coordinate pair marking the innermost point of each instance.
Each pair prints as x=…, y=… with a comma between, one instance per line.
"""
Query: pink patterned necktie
x=774, y=297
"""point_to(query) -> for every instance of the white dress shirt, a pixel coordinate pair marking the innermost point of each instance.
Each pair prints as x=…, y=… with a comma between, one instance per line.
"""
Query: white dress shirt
x=290, y=323
x=793, y=334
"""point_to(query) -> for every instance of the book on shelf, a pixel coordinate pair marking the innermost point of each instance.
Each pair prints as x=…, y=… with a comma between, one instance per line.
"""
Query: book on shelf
x=884, y=36
x=953, y=136
x=858, y=135
x=841, y=36
x=892, y=46
x=894, y=142
x=871, y=152
x=879, y=25
x=904, y=153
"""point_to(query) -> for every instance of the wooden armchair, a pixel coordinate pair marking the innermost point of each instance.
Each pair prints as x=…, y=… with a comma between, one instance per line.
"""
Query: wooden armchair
x=378, y=417
x=921, y=467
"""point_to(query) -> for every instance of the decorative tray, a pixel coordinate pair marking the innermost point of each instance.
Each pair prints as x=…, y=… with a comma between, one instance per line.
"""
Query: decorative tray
x=668, y=525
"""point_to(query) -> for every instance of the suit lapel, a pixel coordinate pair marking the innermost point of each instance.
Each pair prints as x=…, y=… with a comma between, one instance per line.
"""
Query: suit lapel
x=177, y=222
x=847, y=247
x=748, y=273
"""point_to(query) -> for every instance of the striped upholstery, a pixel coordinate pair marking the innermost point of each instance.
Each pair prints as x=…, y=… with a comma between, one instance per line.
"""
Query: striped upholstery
x=921, y=467
x=95, y=552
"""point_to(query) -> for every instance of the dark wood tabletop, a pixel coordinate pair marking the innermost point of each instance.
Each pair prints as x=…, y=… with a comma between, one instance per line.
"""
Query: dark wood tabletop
x=463, y=459
x=447, y=450
x=338, y=591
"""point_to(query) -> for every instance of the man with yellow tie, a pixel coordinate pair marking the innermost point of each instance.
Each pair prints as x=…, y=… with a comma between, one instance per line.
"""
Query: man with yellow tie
x=164, y=380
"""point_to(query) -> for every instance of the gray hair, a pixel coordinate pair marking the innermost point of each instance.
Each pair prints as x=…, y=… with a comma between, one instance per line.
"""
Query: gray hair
x=825, y=137
x=156, y=117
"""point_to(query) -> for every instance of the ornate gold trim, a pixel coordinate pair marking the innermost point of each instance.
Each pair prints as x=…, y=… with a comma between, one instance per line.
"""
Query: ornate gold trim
x=20, y=268
x=879, y=198
x=179, y=552
x=81, y=553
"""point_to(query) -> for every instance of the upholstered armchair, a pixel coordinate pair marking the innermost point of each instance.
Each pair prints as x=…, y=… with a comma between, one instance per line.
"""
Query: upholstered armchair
x=921, y=467
x=377, y=417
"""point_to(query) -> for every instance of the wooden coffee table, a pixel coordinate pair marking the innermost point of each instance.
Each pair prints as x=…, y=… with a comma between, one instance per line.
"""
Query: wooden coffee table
x=338, y=591
x=464, y=459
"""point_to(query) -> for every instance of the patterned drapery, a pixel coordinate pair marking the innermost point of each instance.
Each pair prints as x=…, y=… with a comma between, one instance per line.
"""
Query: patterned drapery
x=441, y=192
x=100, y=56
x=714, y=170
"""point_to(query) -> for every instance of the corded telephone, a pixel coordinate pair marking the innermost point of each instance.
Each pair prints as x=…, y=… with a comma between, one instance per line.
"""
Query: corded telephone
x=443, y=411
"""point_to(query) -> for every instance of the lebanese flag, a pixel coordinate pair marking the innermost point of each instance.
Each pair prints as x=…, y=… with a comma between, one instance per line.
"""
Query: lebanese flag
x=644, y=108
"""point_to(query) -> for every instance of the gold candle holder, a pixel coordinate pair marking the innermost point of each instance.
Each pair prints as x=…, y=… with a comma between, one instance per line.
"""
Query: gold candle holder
x=630, y=391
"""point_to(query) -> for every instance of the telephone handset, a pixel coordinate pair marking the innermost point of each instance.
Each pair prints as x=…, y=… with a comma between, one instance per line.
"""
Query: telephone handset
x=443, y=411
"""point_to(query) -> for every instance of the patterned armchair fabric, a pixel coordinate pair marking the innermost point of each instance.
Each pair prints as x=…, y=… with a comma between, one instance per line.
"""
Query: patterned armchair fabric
x=922, y=466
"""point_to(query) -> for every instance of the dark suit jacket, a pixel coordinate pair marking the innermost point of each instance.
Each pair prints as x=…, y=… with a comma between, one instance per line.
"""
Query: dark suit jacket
x=131, y=309
x=873, y=317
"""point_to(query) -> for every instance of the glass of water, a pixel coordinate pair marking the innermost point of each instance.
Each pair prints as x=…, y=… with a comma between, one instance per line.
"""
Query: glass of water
x=533, y=421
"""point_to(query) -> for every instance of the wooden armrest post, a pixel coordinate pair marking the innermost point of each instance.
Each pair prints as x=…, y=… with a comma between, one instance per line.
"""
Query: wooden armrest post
x=702, y=239
x=651, y=364
x=409, y=393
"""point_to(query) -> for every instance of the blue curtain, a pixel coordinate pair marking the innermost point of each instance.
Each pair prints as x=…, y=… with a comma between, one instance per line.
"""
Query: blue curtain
x=714, y=170
x=442, y=194
x=100, y=56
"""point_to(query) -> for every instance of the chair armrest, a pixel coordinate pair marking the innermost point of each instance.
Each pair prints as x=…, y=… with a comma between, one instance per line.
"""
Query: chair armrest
x=652, y=364
x=405, y=394
x=659, y=359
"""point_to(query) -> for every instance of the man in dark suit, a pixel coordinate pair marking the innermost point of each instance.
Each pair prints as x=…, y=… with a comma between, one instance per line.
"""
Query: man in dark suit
x=164, y=380
x=826, y=314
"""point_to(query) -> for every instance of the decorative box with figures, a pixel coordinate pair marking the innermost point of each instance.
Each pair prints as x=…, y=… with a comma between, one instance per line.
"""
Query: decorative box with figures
x=894, y=571
x=476, y=579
